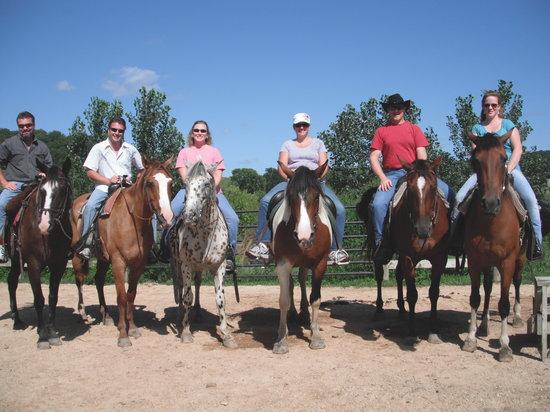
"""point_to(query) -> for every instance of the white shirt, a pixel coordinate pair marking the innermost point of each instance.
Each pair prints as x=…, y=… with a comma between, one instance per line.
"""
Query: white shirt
x=103, y=159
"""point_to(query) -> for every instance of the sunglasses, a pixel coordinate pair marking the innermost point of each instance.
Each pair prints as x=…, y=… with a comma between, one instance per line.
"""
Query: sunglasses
x=200, y=130
x=25, y=126
x=492, y=105
x=115, y=130
x=297, y=126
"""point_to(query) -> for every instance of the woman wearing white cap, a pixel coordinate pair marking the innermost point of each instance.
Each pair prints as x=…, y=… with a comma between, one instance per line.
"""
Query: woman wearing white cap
x=311, y=152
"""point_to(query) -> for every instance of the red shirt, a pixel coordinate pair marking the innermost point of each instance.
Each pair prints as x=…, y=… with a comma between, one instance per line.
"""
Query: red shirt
x=398, y=142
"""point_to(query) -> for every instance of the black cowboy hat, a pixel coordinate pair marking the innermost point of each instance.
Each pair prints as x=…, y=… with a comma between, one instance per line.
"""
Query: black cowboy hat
x=395, y=100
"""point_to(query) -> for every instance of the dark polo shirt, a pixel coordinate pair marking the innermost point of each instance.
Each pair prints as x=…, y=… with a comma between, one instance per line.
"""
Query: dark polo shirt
x=19, y=162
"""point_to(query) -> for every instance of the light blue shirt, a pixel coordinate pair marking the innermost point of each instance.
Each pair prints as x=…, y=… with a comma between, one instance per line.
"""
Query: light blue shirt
x=505, y=126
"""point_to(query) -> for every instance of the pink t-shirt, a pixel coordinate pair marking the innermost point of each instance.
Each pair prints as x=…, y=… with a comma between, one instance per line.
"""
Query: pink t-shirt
x=398, y=142
x=208, y=154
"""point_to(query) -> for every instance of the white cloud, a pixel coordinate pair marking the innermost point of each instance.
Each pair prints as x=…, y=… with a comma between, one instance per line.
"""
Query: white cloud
x=128, y=80
x=64, y=86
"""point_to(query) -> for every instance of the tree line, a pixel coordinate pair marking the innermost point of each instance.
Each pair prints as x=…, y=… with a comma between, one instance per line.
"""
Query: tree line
x=347, y=139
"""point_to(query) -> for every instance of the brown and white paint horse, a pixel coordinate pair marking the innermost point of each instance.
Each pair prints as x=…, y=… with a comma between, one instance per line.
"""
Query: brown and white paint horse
x=301, y=237
x=126, y=238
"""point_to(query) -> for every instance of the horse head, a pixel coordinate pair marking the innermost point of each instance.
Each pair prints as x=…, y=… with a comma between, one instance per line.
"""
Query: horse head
x=53, y=195
x=201, y=193
x=489, y=163
x=421, y=195
x=157, y=185
x=302, y=196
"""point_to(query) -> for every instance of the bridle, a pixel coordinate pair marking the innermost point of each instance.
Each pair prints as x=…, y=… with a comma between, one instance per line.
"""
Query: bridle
x=56, y=214
x=434, y=214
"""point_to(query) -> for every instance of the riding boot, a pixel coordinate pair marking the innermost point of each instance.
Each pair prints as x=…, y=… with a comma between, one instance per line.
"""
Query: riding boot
x=537, y=253
x=230, y=261
x=164, y=252
x=456, y=235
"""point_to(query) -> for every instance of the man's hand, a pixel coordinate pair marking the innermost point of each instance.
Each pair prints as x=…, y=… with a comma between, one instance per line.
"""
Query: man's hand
x=10, y=186
x=385, y=185
x=115, y=179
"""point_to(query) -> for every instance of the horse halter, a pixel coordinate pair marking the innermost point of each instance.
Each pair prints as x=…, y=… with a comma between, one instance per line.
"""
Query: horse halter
x=434, y=214
x=56, y=213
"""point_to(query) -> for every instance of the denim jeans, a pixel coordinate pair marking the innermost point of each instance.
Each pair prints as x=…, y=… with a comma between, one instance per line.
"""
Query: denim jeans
x=5, y=196
x=178, y=203
x=92, y=206
x=381, y=200
x=263, y=234
x=524, y=190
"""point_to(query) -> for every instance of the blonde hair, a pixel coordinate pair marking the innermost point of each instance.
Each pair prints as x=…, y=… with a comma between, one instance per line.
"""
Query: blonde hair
x=490, y=93
x=191, y=140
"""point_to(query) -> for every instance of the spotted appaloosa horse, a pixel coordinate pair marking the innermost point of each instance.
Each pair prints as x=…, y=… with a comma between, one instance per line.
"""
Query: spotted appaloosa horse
x=125, y=241
x=202, y=242
x=301, y=237
x=43, y=237
x=492, y=236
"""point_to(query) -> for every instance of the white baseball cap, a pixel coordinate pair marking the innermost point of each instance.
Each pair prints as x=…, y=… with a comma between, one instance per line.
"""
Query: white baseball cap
x=301, y=118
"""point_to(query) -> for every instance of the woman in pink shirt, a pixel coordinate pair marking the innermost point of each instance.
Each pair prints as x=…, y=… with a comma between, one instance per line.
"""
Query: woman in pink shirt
x=200, y=147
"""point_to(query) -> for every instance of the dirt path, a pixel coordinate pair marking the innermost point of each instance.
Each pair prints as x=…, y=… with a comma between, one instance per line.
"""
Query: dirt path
x=366, y=364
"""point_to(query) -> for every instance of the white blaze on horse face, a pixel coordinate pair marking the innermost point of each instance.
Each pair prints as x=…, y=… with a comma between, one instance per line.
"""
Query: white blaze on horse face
x=45, y=216
x=164, y=199
x=303, y=228
x=420, y=183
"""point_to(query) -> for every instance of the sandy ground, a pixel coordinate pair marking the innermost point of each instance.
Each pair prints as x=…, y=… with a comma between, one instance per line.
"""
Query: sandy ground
x=365, y=365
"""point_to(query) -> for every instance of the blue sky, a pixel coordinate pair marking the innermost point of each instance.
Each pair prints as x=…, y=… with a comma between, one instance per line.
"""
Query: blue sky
x=247, y=66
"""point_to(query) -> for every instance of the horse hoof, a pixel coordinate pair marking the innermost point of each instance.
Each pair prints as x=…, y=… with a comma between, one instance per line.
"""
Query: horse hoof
x=470, y=345
x=280, y=348
x=54, y=341
x=434, y=338
x=43, y=344
x=317, y=344
x=518, y=323
x=18, y=325
x=124, y=342
x=482, y=331
x=230, y=343
x=187, y=337
x=505, y=355
x=108, y=321
x=134, y=333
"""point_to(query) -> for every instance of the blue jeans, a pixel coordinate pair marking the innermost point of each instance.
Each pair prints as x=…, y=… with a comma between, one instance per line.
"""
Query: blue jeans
x=524, y=190
x=178, y=203
x=381, y=200
x=92, y=206
x=5, y=196
x=263, y=234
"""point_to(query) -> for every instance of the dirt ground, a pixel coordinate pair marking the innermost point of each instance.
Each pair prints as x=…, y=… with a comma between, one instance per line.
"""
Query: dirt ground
x=365, y=365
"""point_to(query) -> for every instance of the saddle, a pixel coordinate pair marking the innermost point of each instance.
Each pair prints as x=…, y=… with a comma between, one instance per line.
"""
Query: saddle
x=278, y=199
x=14, y=212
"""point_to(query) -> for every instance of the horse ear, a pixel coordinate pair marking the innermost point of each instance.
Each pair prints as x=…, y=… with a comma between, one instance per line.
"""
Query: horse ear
x=437, y=161
x=321, y=169
x=212, y=167
x=473, y=137
x=166, y=164
x=502, y=139
x=41, y=166
x=66, y=166
x=286, y=170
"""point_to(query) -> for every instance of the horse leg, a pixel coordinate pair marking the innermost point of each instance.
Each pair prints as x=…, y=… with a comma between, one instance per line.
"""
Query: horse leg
x=101, y=271
x=488, y=277
x=518, y=322
x=283, y=270
x=304, y=305
x=227, y=338
x=13, y=282
x=56, y=273
x=34, y=278
x=412, y=298
x=80, y=269
x=379, y=275
x=437, y=268
x=133, y=278
x=184, y=305
x=399, y=280
x=506, y=270
x=292, y=313
x=317, y=273
x=470, y=344
x=119, y=269
x=197, y=276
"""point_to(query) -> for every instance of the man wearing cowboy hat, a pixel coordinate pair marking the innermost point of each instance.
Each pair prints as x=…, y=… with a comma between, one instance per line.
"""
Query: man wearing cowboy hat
x=399, y=140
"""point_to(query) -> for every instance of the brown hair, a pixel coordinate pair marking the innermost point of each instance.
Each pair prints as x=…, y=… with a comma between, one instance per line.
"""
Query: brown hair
x=25, y=115
x=191, y=141
x=490, y=93
x=117, y=119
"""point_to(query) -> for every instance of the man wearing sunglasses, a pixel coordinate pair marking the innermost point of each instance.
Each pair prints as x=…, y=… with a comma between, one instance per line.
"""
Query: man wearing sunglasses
x=18, y=156
x=106, y=164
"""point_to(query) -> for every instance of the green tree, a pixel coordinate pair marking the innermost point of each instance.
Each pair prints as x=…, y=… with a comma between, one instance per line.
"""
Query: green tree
x=247, y=180
x=153, y=128
x=271, y=178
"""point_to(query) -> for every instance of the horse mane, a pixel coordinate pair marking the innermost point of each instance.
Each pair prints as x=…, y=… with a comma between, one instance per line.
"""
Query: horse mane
x=198, y=169
x=303, y=180
x=421, y=166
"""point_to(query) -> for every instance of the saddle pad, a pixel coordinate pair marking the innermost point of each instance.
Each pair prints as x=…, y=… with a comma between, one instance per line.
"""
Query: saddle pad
x=516, y=200
x=109, y=203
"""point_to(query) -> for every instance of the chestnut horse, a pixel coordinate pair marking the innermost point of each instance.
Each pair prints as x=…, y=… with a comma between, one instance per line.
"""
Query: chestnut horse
x=125, y=241
x=301, y=237
x=492, y=236
x=42, y=239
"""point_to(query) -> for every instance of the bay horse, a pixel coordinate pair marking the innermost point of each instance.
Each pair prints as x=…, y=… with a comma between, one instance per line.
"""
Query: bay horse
x=492, y=237
x=301, y=237
x=42, y=237
x=125, y=241
x=202, y=242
